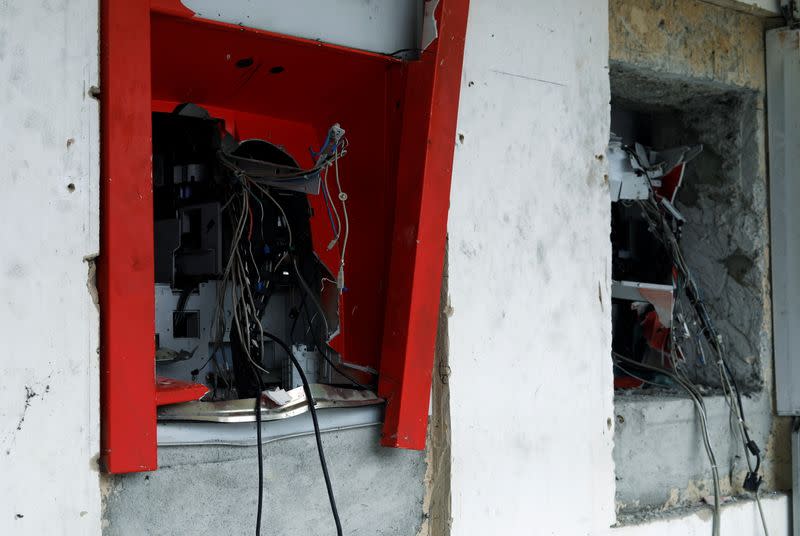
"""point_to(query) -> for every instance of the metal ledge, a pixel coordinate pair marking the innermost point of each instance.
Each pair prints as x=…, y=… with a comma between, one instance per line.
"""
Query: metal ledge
x=243, y=434
x=243, y=410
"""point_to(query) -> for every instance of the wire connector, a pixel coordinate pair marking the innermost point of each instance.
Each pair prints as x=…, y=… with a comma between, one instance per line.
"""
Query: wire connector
x=340, y=279
x=752, y=482
x=752, y=446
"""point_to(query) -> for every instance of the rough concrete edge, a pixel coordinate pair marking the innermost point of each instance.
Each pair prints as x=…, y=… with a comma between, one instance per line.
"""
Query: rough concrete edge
x=775, y=442
x=699, y=86
x=746, y=7
x=703, y=511
x=105, y=482
x=437, y=513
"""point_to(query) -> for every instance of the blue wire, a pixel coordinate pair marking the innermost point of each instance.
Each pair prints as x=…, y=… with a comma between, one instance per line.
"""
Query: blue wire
x=325, y=196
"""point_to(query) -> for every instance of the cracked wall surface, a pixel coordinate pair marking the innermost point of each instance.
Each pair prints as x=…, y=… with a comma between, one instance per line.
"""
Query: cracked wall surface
x=697, y=71
x=49, y=149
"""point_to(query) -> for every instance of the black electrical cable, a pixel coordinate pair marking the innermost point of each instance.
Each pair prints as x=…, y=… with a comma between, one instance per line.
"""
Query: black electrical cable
x=323, y=352
x=235, y=340
x=259, y=448
x=180, y=308
x=752, y=479
x=295, y=319
x=317, y=434
x=404, y=50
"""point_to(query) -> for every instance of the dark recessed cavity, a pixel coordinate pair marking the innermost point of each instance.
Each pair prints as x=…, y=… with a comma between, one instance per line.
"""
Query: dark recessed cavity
x=723, y=198
x=244, y=63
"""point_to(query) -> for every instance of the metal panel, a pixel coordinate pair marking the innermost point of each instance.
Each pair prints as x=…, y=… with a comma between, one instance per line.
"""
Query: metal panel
x=125, y=277
x=383, y=26
x=783, y=100
x=242, y=434
x=275, y=405
x=412, y=305
x=662, y=297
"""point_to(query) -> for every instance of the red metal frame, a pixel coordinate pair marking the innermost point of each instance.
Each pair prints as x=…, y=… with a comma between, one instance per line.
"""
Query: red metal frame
x=420, y=230
x=398, y=205
x=125, y=276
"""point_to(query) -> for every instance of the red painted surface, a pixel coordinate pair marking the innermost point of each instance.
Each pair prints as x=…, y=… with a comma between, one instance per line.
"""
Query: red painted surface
x=627, y=382
x=400, y=121
x=171, y=391
x=125, y=275
x=171, y=7
x=318, y=85
x=671, y=182
x=420, y=230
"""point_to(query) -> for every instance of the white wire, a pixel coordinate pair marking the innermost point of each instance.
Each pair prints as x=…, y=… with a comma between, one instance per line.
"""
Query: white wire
x=343, y=199
x=651, y=211
x=700, y=408
x=280, y=208
x=327, y=193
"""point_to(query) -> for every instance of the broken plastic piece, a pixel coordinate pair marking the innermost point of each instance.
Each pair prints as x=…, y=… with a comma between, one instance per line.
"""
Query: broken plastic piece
x=634, y=171
x=171, y=391
x=279, y=396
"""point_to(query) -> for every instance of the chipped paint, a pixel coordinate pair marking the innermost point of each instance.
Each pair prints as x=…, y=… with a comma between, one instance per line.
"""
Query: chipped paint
x=91, y=279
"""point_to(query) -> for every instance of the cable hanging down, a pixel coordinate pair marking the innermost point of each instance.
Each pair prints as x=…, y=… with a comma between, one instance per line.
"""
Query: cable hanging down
x=237, y=262
x=242, y=275
x=659, y=225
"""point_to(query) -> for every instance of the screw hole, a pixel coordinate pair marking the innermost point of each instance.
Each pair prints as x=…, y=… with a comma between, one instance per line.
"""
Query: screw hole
x=71, y=187
x=244, y=63
x=278, y=69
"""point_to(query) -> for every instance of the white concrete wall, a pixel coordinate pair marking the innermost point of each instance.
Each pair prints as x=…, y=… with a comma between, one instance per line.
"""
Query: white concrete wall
x=49, y=420
x=531, y=385
x=530, y=336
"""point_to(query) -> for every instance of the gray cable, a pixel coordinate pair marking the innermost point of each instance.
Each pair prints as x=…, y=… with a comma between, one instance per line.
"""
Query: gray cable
x=701, y=412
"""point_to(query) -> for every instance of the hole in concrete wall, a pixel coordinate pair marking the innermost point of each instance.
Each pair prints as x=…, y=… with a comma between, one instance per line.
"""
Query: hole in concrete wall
x=724, y=239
